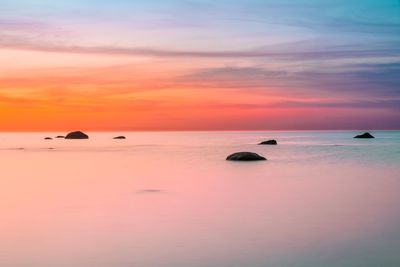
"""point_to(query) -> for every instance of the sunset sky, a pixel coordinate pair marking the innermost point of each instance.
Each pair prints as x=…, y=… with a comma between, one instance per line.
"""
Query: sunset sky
x=199, y=65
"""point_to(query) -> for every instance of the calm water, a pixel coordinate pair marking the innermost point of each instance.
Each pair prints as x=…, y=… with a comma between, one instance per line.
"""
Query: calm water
x=171, y=200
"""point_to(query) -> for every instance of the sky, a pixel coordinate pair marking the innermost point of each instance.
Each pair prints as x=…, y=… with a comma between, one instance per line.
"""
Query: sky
x=199, y=65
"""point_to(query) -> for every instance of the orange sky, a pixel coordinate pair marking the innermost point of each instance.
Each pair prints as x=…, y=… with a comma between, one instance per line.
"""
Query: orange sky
x=198, y=65
x=63, y=91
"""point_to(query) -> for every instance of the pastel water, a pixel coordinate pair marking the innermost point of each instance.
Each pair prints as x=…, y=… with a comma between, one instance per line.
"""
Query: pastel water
x=169, y=199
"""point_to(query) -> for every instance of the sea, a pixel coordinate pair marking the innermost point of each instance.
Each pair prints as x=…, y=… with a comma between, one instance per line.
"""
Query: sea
x=170, y=199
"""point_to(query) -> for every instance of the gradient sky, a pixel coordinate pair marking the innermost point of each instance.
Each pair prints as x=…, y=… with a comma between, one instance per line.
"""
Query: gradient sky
x=199, y=65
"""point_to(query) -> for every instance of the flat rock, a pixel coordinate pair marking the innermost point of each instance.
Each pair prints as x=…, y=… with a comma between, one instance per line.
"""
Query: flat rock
x=269, y=142
x=48, y=138
x=60, y=136
x=77, y=135
x=148, y=191
x=245, y=156
x=364, y=136
x=120, y=137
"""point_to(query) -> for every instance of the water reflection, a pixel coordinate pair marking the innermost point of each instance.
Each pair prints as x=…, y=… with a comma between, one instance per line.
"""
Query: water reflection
x=173, y=204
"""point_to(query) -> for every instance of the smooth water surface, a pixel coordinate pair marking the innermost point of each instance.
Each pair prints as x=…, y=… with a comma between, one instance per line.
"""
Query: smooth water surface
x=169, y=199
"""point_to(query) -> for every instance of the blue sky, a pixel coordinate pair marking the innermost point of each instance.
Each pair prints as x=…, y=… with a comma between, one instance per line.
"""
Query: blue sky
x=345, y=50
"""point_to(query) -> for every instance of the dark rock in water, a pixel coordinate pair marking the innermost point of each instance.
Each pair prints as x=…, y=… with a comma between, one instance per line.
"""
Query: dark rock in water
x=120, y=137
x=77, y=135
x=60, y=136
x=48, y=138
x=245, y=156
x=269, y=142
x=364, y=136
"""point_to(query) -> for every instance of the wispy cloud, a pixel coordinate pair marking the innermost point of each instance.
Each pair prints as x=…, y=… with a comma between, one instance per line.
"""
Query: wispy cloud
x=375, y=104
x=19, y=25
x=11, y=42
x=238, y=57
x=367, y=80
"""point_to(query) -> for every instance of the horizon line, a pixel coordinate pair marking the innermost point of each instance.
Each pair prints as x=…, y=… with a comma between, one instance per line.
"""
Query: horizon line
x=255, y=130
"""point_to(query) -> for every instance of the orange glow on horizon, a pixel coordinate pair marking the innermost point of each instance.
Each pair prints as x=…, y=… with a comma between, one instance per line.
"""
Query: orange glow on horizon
x=60, y=92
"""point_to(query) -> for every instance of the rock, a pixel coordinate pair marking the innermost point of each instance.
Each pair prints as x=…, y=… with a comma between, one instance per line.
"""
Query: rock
x=60, y=136
x=120, y=137
x=148, y=191
x=269, y=142
x=245, y=156
x=48, y=138
x=77, y=135
x=364, y=136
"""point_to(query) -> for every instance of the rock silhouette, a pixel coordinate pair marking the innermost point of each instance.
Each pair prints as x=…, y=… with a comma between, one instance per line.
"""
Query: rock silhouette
x=60, y=136
x=364, y=136
x=48, y=138
x=269, y=142
x=77, y=135
x=120, y=137
x=245, y=156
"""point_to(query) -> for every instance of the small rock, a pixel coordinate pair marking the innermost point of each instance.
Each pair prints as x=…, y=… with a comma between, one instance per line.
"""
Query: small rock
x=60, y=136
x=245, y=156
x=120, y=137
x=77, y=135
x=269, y=142
x=148, y=191
x=364, y=136
x=48, y=138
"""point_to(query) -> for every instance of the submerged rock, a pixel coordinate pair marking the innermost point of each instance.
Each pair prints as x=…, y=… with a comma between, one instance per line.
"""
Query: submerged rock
x=148, y=191
x=48, y=138
x=269, y=142
x=364, y=136
x=60, y=136
x=245, y=156
x=120, y=137
x=77, y=135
